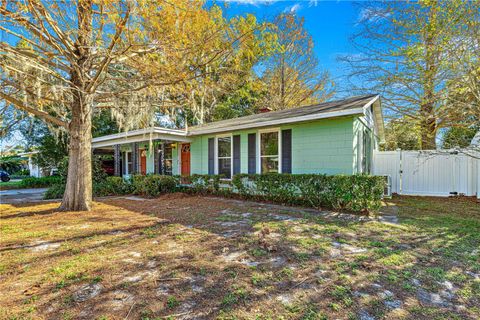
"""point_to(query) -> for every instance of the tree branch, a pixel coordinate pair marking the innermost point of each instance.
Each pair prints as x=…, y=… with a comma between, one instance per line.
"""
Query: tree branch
x=41, y=114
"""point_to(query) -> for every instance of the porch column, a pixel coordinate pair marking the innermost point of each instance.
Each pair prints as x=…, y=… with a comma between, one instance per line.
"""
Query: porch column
x=162, y=159
x=156, y=156
x=116, y=160
x=135, y=162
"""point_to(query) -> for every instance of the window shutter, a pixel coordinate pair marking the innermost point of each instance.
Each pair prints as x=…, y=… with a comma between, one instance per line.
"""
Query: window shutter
x=252, y=153
x=236, y=154
x=287, y=151
x=211, y=156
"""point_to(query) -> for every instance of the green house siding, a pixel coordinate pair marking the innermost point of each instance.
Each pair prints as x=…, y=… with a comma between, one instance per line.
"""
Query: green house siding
x=322, y=146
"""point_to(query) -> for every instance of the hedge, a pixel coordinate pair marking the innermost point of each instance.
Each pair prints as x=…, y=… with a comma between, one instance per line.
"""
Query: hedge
x=43, y=182
x=345, y=192
x=341, y=192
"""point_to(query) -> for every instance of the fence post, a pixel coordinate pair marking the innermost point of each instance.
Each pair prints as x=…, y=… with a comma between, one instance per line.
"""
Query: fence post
x=400, y=171
x=478, y=178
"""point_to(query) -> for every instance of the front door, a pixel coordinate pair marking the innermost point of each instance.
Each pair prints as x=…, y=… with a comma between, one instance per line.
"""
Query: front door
x=185, y=159
x=143, y=162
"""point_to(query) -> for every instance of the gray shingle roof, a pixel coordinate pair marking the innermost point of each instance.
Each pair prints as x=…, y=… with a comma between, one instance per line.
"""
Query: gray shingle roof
x=288, y=115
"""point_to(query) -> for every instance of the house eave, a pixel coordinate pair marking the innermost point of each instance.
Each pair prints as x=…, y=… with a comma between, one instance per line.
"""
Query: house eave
x=271, y=123
x=140, y=135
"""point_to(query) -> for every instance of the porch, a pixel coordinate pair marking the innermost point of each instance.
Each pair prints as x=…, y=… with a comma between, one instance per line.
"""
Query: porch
x=153, y=150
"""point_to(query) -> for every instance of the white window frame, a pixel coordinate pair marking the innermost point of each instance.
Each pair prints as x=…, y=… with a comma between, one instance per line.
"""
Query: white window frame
x=164, y=159
x=259, y=148
x=229, y=135
x=127, y=173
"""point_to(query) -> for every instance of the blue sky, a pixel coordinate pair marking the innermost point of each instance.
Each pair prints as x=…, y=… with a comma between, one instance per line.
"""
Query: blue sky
x=329, y=22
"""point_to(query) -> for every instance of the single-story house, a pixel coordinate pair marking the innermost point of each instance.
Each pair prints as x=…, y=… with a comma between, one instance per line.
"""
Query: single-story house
x=336, y=137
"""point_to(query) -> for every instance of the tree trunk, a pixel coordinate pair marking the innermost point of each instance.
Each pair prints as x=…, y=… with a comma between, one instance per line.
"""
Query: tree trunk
x=78, y=190
x=428, y=131
x=428, y=121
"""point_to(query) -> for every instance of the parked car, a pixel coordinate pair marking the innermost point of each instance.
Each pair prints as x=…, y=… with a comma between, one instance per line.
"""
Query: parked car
x=4, y=176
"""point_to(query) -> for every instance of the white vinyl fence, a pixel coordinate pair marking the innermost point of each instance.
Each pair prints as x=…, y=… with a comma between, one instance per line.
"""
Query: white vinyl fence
x=429, y=173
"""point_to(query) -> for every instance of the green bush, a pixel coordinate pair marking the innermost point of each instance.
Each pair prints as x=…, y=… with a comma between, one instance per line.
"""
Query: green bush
x=203, y=183
x=346, y=192
x=12, y=164
x=42, y=182
x=20, y=174
x=112, y=186
x=153, y=185
x=356, y=193
x=55, y=191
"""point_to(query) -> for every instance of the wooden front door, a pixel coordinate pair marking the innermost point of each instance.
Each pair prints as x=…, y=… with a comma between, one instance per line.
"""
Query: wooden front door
x=185, y=159
x=143, y=162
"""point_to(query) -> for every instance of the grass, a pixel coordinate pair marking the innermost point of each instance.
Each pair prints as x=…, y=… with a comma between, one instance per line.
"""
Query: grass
x=10, y=185
x=173, y=256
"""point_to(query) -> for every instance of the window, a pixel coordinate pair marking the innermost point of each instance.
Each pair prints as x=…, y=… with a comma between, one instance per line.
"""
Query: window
x=128, y=161
x=269, y=151
x=168, y=160
x=367, y=147
x=224, y=156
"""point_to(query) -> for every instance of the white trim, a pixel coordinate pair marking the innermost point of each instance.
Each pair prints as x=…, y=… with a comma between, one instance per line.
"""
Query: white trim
x=259, y=149
x=138, y=138
x=365, y=107
x=126, y=172
x=278, y=122
x=158, y=130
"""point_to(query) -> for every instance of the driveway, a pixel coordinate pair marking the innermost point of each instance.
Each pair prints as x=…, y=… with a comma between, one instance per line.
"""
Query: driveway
x=22, y=195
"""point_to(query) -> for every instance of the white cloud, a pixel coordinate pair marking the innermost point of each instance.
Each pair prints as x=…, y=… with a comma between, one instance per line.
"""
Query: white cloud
x=293, y=8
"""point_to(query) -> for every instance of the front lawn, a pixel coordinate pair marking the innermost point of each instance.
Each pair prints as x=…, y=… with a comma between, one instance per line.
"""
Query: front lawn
x=190, y=257
x=10, y=185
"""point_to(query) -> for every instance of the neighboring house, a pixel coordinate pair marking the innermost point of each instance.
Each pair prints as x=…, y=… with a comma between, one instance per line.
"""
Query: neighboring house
x=35, y=170
x=335, y=137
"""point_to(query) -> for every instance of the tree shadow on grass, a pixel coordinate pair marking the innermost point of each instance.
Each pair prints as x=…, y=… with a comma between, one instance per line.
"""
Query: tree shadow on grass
x=181, y=251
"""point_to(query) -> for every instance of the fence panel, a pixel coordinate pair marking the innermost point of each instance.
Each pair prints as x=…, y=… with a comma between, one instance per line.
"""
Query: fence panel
x=387, y=163
x=429, y=173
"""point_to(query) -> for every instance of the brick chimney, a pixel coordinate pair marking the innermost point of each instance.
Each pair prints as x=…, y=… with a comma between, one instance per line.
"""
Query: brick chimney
x=264, y=110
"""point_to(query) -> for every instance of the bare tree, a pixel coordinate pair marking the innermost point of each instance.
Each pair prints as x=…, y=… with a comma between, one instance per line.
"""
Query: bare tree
x=406, y=52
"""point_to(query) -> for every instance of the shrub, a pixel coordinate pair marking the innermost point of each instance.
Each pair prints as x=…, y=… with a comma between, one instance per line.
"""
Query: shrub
x=203, y=183
x=346, y=192
x=12, y=164
x=153, y=185
x=20, y=174
x=55, y=191
x=42, y=182
x=112, y=186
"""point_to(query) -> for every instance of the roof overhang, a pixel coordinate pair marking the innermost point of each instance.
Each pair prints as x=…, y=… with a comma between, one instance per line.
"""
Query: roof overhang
x=158, y=133
x=276, y=122
x=155, y=133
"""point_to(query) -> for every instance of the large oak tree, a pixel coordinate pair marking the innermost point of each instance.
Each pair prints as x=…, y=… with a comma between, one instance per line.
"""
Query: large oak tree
x=61, y=61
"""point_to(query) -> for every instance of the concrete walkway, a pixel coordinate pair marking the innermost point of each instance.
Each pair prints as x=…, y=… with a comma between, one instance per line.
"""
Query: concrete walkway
x=21, y=195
